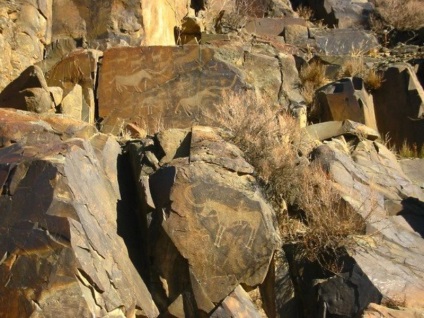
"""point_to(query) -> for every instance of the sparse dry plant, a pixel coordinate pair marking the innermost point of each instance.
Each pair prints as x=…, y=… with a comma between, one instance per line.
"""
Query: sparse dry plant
x=273, y=143
x=304, y=12
x=410, y=151
x=352, y=67
x=312, y=77
x=373, y=79
x=401, y=14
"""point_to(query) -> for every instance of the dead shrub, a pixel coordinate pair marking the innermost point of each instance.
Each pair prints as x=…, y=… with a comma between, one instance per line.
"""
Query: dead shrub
x=400, y=14
x=274, y=144
x=356, y=67
x=352, y=67
x=305, y=12
x=373, y=79
x=312, y=77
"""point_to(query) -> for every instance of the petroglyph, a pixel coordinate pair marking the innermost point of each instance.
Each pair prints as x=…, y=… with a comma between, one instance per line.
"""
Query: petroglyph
x=189, y=103
x=227, y=216
x=134, y=80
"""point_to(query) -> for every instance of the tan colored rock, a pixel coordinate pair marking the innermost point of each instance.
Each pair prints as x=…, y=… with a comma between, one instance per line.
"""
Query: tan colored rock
x=215, y=219
x=77, y=75
x=153, y=86
x=239, y=305
x=378, y=311
x=175, y=143
x=391, y=258
x=25, y=29
x=72, y=103
x=38, y=100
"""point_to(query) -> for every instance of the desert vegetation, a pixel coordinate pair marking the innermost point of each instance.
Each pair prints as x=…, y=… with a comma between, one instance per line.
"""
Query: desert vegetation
x=317, y=221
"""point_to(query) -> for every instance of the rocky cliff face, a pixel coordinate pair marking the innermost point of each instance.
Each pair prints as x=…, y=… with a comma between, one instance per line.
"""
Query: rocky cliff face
x=210, y=159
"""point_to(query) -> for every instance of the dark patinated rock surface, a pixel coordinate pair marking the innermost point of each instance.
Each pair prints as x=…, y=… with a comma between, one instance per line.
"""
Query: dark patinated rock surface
x=60, y=251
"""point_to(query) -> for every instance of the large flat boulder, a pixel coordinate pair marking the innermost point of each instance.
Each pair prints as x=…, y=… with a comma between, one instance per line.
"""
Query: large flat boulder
x=343, y=41
x=151, y=86
x=60, y=251
x=210, y=228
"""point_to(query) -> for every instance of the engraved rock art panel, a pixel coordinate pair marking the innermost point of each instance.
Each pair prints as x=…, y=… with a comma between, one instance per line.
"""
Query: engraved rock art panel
x=220, y=224
x=145, y=85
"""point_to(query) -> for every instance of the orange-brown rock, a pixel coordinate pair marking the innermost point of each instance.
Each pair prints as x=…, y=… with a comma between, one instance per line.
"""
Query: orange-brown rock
x=171, y=86
x=117, y=23
x=212, y=221
x=76, y=74
x=60, y=251
x=25, y=29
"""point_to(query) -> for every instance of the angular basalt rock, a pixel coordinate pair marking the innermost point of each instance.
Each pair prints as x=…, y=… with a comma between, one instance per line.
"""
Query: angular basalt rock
x=161, y=85
x=211, y=220
x=399, y=106
x=347, y=99
x=342, y=13
x=343, y=41
x=60, y=251
x=371, y=180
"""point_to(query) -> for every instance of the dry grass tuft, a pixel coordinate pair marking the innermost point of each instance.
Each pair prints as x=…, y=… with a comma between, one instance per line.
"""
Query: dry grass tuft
x=276, y=146
x=312, y=77
x=410, y=151
x=356, y=67
x=373, y=79
x=305, y=12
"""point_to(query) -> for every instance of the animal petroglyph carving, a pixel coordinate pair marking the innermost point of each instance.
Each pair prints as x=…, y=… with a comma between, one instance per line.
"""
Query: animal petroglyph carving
x=189, y=103
x=125, y=81
x=227, y=216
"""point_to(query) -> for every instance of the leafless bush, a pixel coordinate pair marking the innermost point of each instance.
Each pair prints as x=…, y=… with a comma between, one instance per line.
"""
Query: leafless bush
x=401, y=14
x=356, y=67
x=273, y=142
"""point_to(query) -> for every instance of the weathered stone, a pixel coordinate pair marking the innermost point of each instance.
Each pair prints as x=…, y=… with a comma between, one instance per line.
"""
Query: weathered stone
x=391, y=259
x=38, y=100
x=331, y=129
x=72, y=103
x=271, y=26
x=169, y=85
x=25, y=28
x=57, y=95
x=378, y=311
x=228, y=22
x=346, y=99
x=414, y=169
x=59, y=244
x=77, y=76
x=238, y=304
x=117, y=23
x=207, y=146
x=32, y=77
x=175, y=143
x=399, y=106
x=263, y=73
x=290, y=87
x=215, y=218
x=296, y=34
x=343, y=41
x=342, y=14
